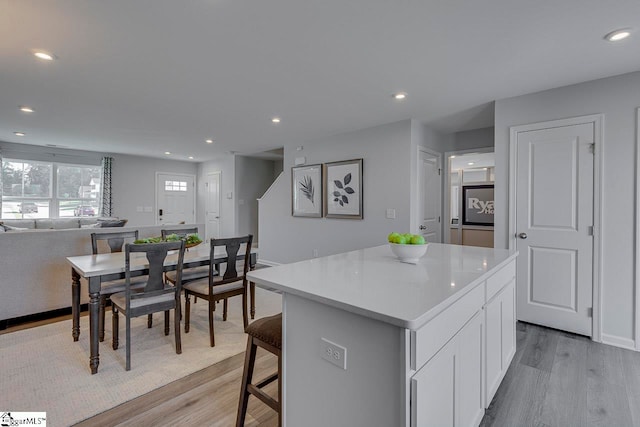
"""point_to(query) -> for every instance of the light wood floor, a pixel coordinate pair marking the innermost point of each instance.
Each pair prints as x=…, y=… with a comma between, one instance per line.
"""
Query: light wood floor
x=556, y=379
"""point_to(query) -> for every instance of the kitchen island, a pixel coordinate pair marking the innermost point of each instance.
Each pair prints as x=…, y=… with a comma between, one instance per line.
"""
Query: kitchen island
x=371, y=341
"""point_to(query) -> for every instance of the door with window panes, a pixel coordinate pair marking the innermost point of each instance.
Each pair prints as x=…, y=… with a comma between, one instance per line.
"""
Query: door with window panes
x=175, y=197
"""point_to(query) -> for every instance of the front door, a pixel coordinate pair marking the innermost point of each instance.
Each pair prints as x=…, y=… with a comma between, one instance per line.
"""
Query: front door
x=175, y=195
x=429, y=189
x=554, y=226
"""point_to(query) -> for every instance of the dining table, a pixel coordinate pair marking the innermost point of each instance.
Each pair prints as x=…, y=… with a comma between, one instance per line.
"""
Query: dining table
x=100, y=268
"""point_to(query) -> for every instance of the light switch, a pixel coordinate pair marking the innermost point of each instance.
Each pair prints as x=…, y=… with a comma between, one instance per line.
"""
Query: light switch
x=139, y=209
x=148, y=209
x=300, y=161
x=391, y=214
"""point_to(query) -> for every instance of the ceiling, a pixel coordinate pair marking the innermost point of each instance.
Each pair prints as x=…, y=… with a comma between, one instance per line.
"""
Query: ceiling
x=147, y=76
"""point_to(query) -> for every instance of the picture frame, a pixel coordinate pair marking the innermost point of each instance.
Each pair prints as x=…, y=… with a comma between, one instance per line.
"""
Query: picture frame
x=343, y=189
x=478, y=205
x=306, y=191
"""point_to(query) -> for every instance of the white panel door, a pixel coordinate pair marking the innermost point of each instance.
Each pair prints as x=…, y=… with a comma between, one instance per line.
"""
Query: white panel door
x=213, y=205
x=429, y=190
x=554, y=219
x=175, y=196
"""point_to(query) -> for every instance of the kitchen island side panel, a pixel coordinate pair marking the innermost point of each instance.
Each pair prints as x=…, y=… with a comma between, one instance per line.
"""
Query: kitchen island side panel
x=370, y=392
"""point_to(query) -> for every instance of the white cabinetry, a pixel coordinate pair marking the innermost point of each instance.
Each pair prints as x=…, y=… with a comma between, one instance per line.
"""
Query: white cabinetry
x=500, y=338
x=447, y=390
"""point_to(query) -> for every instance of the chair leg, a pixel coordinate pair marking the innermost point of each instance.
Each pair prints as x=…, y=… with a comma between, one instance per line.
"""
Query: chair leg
x=103, y=305
x=114, y=328
x=247, y=377
x=245, y=319
x=128, y=331
x=149, y=321
x=280, y=390
x=177, y=313
x=212, y=306
x=166, y=322
x=224, y=310
x=187, y=314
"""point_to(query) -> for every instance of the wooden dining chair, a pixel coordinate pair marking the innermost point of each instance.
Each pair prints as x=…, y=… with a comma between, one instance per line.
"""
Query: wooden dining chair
x=217, y=286
x=154, y=297
x=188, y=274
x=114, y=242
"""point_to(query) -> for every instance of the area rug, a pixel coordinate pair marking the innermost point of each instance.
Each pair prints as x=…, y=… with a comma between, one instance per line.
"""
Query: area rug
x=43, y=370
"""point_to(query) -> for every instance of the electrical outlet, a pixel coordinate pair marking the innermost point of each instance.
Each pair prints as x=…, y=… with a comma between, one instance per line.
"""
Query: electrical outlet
x=333, y=353
x=391, y=214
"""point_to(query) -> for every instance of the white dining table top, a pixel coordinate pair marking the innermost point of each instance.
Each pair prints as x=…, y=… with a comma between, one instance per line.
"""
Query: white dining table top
x=112, y=263
x=372, y=282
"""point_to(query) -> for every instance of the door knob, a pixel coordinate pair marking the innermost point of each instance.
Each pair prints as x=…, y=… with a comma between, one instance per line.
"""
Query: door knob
x=522, y=235
x=422, y=227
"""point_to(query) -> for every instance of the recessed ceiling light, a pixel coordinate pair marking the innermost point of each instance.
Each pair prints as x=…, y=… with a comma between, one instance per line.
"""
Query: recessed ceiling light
x=25, y=109
x=452, y=157
x=167, y=152
x=471, y=163
x=400, y=96
x=190, y=157
x=19, y=133
x=209, y=141
x=275, y=120
x=44, y=55
x=617, y=35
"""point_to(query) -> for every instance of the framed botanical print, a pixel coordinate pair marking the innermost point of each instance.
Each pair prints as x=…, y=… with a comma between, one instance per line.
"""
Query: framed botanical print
x=343, y=189
x=306, y=191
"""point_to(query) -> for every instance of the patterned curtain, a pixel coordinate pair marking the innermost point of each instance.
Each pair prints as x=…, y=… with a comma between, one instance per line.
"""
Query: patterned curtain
x=105, y=202
x=1, y=186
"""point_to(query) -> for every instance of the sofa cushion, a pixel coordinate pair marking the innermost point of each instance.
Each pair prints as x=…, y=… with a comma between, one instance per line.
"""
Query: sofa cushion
x=12, y=228
x=88, y=221
x=57, y=223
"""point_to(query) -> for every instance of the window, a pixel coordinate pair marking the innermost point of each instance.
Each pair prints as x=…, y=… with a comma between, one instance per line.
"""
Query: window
x=34, y=189
x=175, y=186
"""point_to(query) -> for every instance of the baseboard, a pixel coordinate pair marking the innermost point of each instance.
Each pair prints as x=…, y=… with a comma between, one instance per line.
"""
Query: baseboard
x=619, y=341
x=6, y=323
x=269, y=263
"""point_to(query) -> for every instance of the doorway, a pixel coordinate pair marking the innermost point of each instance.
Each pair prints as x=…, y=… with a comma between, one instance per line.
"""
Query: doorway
x=555, y=197
x=212, y=206
x=469, y=174
x=429, y=193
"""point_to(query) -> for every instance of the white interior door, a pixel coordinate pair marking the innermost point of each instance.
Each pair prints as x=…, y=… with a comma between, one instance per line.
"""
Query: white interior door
x=175, y=199
x=429, y=193
x=554, y=226
x=213, y=205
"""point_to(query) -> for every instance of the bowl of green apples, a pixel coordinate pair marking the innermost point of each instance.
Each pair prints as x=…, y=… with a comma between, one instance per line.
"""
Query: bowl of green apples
x=407, y=247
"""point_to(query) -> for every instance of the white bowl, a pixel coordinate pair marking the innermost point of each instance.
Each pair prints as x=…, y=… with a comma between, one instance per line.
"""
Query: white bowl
x=408, y=253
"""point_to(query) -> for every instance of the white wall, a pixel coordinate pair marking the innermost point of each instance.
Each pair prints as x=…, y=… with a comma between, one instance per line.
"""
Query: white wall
x=226, y=165
x=616, y=98
x=252, y=178
x=388, y=153
x=134, y=184
x=472, y=139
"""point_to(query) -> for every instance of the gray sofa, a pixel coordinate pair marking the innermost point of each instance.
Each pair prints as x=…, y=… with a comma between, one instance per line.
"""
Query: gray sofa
x=34, y=274
x=59, y=223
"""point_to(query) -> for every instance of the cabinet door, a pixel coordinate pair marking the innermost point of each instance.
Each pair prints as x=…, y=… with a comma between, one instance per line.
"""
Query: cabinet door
x=500, y=338
x=470, y=407
x=433, y=390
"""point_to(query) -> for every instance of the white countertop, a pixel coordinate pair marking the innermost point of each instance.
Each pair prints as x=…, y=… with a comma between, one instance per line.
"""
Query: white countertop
x=374, y=283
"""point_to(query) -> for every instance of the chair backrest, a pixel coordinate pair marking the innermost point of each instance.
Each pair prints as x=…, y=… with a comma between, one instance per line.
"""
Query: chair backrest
x=114, y=240
x=182, y=232
x=156, y=254
x=233, y=246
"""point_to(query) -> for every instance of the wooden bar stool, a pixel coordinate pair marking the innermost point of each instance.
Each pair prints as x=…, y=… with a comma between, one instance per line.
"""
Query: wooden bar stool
x=265, y=333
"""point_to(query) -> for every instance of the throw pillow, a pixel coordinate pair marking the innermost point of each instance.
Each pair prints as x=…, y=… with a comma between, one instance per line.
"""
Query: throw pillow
x=10, y=228
x=113, y=223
